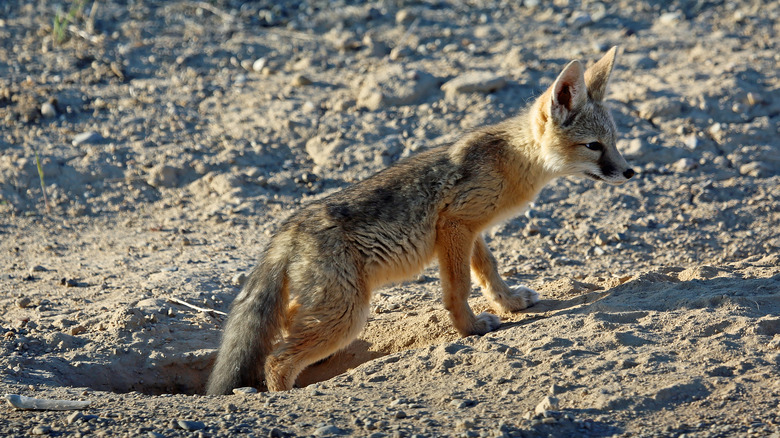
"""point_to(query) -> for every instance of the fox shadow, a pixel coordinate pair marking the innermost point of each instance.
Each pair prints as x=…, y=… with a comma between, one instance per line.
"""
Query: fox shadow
x=660, y=292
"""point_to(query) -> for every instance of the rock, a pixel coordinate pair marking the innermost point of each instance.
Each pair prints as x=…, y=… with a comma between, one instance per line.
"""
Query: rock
x=476, y=81
x=755, y=169
x=163, y=175
x=74, y=417
x=48, y=110
x=40, y=430
x=404, y=16
x=77, y=330
x=190, y=425
x=259, y=64
x=300, y=80
x=580, y=19
x=462, y=403
x=400, y=52
x=328, y=430
x=238, y=279
x=684, y=165
x=394, y=86
x=23, y=302
x=69, y=282
x=671, y=18
x=691, y=141
x=547, y=404
x=634, y=147
x=245, y=390
x=89, y=137
x=661, y=107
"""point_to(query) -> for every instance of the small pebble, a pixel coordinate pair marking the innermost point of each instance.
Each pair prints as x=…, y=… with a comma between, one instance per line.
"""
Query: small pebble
x=190, y=425
x=238, y=279
x=245, y=390
x=23, y=302
x=41, y=430
x=301, y=80
x=69, y=282
x=88, y=137
x=259, y=64
x=48, y=110
x=74, y=417
x=328, y=430
x=547, y=404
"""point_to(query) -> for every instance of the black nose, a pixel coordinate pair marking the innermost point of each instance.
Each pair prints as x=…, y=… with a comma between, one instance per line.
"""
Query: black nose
x=629, y=173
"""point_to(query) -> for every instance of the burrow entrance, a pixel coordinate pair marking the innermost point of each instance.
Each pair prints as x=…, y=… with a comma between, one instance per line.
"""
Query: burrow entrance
x=183, y=374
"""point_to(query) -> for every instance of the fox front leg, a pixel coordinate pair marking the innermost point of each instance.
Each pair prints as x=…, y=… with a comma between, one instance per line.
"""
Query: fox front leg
x=495, y=289
x=454, y=245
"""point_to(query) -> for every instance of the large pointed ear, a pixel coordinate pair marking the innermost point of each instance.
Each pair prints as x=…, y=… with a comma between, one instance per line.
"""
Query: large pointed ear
x=568, y=92
x=597, y=77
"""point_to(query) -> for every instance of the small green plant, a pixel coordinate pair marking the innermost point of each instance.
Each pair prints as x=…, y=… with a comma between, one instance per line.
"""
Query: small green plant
x=43, y=184
x=62, y=21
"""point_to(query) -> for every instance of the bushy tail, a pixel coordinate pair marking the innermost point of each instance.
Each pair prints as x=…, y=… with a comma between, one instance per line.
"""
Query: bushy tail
x=253, y=324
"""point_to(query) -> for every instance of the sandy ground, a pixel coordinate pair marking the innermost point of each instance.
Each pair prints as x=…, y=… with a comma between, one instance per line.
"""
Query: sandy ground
x=174, y=137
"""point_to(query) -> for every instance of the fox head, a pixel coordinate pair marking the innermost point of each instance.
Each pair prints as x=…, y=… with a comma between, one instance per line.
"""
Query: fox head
x=573, y=127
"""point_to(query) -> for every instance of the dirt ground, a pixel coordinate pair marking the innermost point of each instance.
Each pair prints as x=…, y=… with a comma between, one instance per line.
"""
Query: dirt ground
x=174, y=136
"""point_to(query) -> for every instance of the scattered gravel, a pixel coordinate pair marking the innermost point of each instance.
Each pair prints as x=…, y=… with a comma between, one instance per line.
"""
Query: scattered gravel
x=174, y=137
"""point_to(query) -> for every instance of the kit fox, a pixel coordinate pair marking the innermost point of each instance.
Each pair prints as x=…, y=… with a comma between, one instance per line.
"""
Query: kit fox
x=309, y=295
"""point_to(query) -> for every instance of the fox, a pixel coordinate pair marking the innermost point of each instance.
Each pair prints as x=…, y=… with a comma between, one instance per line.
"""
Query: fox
x=309, y=296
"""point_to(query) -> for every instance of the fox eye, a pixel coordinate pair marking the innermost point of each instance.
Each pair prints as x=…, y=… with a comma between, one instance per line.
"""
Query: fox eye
x=594, y=146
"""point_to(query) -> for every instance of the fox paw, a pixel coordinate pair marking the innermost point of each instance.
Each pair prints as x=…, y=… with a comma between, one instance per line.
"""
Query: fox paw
x=521, y=298
x=486, y=322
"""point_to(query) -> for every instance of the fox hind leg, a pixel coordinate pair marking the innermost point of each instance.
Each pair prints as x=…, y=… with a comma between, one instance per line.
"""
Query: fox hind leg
x=318, y=329
x=508, y=299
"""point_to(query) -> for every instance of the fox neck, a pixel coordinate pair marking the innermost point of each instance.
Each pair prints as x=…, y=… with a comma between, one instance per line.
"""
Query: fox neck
x=531, y=173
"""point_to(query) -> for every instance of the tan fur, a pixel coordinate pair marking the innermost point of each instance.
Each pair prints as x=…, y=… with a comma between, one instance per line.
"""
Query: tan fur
x=309, y=297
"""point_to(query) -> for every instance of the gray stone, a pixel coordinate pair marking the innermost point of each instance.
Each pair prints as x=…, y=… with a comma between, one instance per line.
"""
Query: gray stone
x=238, y=280
x=89, y=137
x=393, y=86
x=755, y=169
x=328, y=430
x=684, y=165
x=48, y=110
x=259, y=64
x=661, y=107
x=474, y=82
x=547, y=404
x=190, y=425
x=301, y=80
x=245, y=390
x=74, y=417
x=40, y=430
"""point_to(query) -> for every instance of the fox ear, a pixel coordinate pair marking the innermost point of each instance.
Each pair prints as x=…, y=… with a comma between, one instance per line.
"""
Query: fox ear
x=597, y=77
x=568, y=92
